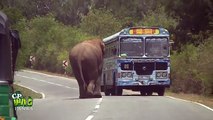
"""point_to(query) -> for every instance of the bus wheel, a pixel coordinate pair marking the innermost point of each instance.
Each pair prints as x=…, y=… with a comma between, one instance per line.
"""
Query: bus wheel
x=161, y=91
x=143, y=93
x=107, y=92
x=119, y=91
x=149, y=93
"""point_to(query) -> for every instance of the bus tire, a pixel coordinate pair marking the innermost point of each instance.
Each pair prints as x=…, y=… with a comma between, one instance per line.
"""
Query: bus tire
x=107, y=92
x=161, y=91
x=112, y=91
x=143, y=93
x=119, y=91
x=149, y=93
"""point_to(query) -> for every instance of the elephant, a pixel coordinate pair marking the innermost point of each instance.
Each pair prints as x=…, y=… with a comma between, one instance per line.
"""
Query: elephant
x=86, y=59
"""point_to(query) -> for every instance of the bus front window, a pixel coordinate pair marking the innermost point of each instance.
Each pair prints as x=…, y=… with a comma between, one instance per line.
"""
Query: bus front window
x=157, y=47
x=131, y=46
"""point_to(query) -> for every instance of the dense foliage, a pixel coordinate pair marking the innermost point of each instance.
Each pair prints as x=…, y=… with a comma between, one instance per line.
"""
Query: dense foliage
x=50, y=28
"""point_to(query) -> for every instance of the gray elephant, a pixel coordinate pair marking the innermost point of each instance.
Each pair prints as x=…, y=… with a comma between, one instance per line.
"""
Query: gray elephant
x=86, y=59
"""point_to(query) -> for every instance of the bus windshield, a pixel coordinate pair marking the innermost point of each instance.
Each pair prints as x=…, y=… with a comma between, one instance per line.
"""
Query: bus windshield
x=131, y=46
x=157, y=47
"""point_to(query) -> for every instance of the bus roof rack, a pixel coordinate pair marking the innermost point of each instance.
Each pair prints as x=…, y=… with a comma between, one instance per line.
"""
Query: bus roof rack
x=112, y=36
x=126, y=30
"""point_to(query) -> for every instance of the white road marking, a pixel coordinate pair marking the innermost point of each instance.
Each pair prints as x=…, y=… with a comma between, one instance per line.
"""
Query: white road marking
x=65, y=78
x=43, y=95
x=52, y=83
x=95, y=110
x=89, y=117
x=191, y=102
x=67, y=87
x=97, y=106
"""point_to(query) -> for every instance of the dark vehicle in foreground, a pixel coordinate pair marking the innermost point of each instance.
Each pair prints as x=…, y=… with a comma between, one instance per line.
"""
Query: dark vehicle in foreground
x=9, y=45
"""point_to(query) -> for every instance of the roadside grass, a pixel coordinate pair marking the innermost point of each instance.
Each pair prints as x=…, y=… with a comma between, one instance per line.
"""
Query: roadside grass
x=206, y=100
x=27, y=92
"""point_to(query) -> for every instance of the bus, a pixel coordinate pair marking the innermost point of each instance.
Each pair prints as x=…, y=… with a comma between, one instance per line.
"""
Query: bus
x=138, y=59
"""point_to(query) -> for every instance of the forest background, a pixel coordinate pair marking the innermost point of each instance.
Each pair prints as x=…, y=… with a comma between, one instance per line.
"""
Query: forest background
x=50, y=28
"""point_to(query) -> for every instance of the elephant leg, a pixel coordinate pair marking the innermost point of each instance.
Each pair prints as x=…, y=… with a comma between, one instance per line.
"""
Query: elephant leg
x=90, y=88
x=82, y=90
x=77, y=70
x=97, y=90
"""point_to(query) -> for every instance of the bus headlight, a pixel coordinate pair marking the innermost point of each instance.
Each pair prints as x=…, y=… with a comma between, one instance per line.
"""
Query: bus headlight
x=164, y=74
x=129, y=75
x=158, y=74
x=126, y=74
x=161, y=75
x=123, y=74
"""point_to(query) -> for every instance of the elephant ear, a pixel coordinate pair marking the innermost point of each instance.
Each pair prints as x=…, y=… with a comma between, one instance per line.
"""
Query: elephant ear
x=102, y=47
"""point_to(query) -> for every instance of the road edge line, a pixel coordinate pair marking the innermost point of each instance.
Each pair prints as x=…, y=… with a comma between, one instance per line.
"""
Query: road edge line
x=52, y=83
x=43, y=95
x=191, y=102
x=65, y=78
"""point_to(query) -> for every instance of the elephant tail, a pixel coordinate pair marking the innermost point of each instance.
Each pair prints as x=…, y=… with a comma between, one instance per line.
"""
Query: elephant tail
x=81, y=71
x=77, y=70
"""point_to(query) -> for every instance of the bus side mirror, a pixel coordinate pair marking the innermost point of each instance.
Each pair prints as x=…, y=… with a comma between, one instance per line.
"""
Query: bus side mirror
x=171, y=42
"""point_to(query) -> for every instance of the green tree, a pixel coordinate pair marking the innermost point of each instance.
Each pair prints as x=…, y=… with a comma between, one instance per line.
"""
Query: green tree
x=195, y=20
x=205, y=65
x=26, y=46
x=159, y=17
x=100, y=23
x=48, y=40
x=14, y=15
x=185, y=75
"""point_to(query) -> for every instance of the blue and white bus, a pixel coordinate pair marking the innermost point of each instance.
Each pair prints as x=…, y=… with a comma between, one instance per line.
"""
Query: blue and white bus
x=137, y=58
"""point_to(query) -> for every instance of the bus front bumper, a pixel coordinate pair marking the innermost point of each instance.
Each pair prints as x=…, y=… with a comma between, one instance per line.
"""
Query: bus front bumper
x=143, y=83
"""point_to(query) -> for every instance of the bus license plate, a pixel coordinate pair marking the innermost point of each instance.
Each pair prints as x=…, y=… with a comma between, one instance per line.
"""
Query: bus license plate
x=143, y=77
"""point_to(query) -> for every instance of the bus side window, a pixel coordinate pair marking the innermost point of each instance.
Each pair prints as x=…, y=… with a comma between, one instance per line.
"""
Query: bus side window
x=107, y=52
x=110, y=52
x=114, y=51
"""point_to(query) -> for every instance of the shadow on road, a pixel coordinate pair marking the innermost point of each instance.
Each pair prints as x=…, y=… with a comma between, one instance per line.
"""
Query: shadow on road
x=79, y=98
x=71, y=99
x=136, y=95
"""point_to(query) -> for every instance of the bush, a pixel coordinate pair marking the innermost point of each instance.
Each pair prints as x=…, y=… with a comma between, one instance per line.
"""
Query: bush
x=192, y=69
x=159, y=18
x=100, y=23
x=205, y=65
x=49, y=41
x=185, y=75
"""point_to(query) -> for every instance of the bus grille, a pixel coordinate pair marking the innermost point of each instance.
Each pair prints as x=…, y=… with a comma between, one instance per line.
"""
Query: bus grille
x=147, y=68
x=161, y=65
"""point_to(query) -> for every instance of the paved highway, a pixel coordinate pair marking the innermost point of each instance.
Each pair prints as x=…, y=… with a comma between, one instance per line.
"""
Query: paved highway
x=61, y=103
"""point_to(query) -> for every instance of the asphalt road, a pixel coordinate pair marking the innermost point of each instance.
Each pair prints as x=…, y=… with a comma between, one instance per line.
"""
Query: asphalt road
x=61, y=103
